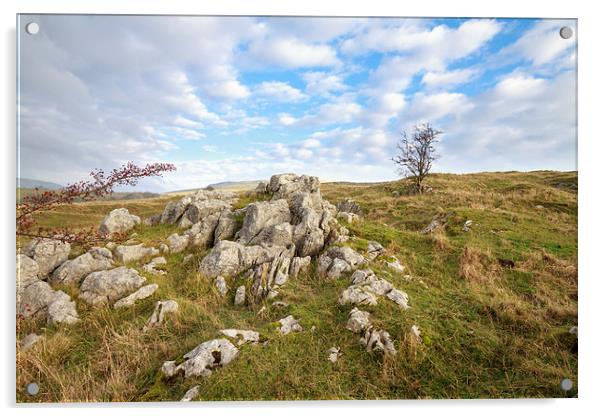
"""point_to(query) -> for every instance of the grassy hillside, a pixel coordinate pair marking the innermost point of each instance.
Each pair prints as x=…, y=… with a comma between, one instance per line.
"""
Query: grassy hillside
x=489, y=330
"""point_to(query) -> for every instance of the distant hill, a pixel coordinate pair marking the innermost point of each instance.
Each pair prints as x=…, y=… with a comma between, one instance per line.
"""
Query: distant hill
x=34, y=183
x=224, y=186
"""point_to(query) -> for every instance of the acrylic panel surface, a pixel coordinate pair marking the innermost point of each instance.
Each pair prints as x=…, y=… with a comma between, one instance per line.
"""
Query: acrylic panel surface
x=295, y=208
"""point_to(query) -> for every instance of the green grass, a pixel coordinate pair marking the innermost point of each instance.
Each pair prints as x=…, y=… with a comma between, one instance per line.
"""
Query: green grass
x=490, y=332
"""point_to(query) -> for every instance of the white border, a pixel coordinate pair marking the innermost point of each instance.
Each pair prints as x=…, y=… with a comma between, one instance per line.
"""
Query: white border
x=589, y=194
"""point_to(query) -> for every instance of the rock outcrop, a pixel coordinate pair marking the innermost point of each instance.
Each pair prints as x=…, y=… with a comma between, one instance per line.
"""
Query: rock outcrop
x=259, y=216
x=241, y=335
x=193, y=208
x=37, y=298
x=151, y=266
x=118, y=221
x=202, y=233
x=177, y=243
x=338, y=260
x=110, y=285
x=47, y=253
x=289, y=324
x=365, y=288
x=73, y=271
x=373, y=339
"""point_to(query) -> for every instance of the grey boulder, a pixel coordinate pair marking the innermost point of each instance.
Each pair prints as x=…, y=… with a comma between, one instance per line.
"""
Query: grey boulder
x=117, y=221
x=47, y=253
x=110, y=285
x=72, y=271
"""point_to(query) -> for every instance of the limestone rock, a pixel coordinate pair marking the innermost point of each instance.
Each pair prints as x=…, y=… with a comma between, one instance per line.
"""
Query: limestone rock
x=467, y=225
x=394, y=264
x=349, y=206
x=38, y=298
x=150, y=267
x=338, y=260
x=334, y=354
x=229, y=258
x=73, y=271
x=47, y=253
x=298, y=265
x=358, y=321
x=162, y=307
x=227, y=225
x=357, y=296
x=27, y=271
x=261, y=188
x=177, y=243
x=203, y=359
x=348, y=217
x=28, y=341
x=175, y=209
x=142, y=293
x=242, y=335
x=289, y=324
x=270, y=275
x=117, y=221
x=375, y=249
x=199, y=210
x=260, y=215
x=239, y=296
x=110, y=285
x=202, y=233
x=126, y=254
x=282, y=185
x=415, y=333
x=221, y=285
x=191, y=394
x=438, y=221
x=375, y=340
x=152, y=220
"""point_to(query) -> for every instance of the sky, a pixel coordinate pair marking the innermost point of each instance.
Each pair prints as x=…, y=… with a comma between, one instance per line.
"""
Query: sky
x=243, y=98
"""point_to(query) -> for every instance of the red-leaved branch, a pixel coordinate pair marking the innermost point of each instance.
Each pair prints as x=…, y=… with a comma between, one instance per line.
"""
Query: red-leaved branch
x=101, y=185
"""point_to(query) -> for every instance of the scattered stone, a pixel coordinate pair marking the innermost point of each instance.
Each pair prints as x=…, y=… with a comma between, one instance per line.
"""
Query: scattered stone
x=375, y=249
x=47, y=253
x=142, y=293
x=338, y=260
x=73, y=271
x=438, y=221
x=242, y=335
x=298, y=265
x=164, y=248
x=334, y=354
x=37, y=298
x=573, y=331
x=202, y=233
x=239, y=297
x=396, y=194
x=289, y=324
x=358, y=321
x=221, y=285
x=373, y=339
x=161, y=308
x=150, y=267
x=127, y=254
x=539, y=207
x=415, y=332
x=177, y=243
x=393, y=263
x=110, y=285
x=467, y=226
x=349, y=206
x=187, y=258
x=348, y=216
x=356, y=295
x=28, y=341
x=152, y=220
x=399, y=297
x=118, y=221
x=261, y=188
x=191, y=394
x=203, y=359
x=280, y=304
x=175, y=209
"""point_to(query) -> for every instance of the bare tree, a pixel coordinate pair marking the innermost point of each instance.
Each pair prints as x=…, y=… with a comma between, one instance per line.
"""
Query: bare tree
x=417, y=154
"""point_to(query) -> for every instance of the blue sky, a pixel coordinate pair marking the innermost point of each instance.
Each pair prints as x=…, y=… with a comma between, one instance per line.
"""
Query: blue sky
x=241, y=98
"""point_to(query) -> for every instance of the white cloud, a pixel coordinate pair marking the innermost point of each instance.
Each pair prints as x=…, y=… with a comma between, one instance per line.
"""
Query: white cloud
x=289, y=53
x=286, y=119
x=279, y=91
x=323, y=83
x=448, y=78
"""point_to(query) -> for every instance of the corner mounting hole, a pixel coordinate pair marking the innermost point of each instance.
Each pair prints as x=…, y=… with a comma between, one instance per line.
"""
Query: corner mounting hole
x=566, y=32
x=32, y=28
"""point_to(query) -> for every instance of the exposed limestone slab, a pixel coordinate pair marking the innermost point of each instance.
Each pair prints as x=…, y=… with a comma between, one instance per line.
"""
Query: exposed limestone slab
x=127, y=254
x=142, y=293
x=221, y=285
x=73, y=271
x=289, y=324
x=240, y=295
x=242, y=335
x=47, y=253
x=203, y=359
x=118, y=221
x=191, y=394
x=177, y=243
x=162, y=307
x=110, y=285
x=150, y=267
